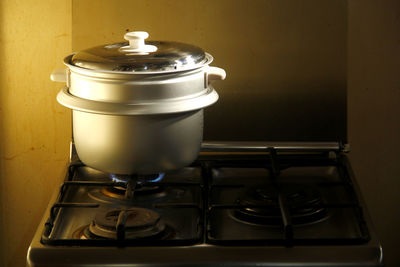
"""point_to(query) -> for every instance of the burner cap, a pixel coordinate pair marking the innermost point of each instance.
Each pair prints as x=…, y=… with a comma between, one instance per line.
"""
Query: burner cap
x=138, y=223
x=304, y=203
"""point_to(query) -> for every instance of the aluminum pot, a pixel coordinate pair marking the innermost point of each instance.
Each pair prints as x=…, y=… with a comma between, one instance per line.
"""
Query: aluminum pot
x=138, y=107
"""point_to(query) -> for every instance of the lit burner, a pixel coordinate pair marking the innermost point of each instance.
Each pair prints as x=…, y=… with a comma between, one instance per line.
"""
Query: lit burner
x=139, y=178
x=131, y=185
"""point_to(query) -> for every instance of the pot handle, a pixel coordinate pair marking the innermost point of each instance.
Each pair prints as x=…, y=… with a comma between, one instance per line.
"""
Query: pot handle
x=215, y=74
x=59, y=75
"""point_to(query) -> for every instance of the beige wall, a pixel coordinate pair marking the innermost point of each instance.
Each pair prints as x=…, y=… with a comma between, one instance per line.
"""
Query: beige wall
x=34, y=128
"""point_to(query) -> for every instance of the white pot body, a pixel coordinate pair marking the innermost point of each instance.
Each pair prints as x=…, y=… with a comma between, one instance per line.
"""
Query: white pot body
x=141, y=144
x=138, y=123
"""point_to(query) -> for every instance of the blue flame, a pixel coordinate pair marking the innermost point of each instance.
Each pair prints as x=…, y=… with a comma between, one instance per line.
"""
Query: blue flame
x=116, y=179
x=141, y=179
x=157, y=179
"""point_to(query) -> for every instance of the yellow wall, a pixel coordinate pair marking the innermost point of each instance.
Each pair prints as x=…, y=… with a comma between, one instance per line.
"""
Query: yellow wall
x=34, y=129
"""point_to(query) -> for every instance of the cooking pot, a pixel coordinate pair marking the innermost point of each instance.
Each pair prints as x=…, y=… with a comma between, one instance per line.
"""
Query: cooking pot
x=137, y=107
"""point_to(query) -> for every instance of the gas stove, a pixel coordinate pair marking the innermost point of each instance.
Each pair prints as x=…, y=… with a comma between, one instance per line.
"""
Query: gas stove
x=238, y=204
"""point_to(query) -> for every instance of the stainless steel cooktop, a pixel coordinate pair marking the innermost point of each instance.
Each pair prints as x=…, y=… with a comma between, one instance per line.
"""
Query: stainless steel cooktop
x=238, y=204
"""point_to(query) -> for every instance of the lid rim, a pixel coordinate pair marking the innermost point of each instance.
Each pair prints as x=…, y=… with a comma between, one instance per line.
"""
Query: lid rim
x=67, y=62
x=164, y=56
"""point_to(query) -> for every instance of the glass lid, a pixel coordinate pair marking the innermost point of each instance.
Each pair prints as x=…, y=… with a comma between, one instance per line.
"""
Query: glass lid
x=136, y=55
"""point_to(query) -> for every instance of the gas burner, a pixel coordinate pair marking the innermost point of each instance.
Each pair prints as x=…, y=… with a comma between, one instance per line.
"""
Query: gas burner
x=138, y=178
x=303, y=202
x=130, y=187
x=136, y=223
x=118, y=192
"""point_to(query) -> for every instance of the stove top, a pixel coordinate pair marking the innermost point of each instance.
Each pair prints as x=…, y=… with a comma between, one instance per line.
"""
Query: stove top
x=238, y=204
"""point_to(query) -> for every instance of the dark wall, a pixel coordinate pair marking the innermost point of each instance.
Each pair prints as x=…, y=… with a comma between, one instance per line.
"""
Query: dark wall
x=374, y=113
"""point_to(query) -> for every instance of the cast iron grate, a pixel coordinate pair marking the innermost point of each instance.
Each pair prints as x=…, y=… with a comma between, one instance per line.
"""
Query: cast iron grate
x=48, y=238
x=273, y=161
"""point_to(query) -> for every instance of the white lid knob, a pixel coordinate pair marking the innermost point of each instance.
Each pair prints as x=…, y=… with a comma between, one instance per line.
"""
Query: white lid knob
x=137, y=44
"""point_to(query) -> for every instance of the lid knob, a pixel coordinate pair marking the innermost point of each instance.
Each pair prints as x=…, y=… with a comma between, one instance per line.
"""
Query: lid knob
x=136, y=39
x=137, y=44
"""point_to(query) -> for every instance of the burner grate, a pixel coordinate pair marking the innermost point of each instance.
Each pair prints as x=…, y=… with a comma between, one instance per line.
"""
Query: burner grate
x=217, y=223
x=287, y=231
x=49, y=237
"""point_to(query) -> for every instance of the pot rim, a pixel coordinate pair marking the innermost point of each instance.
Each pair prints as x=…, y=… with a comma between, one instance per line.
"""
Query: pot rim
x=170, y=106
